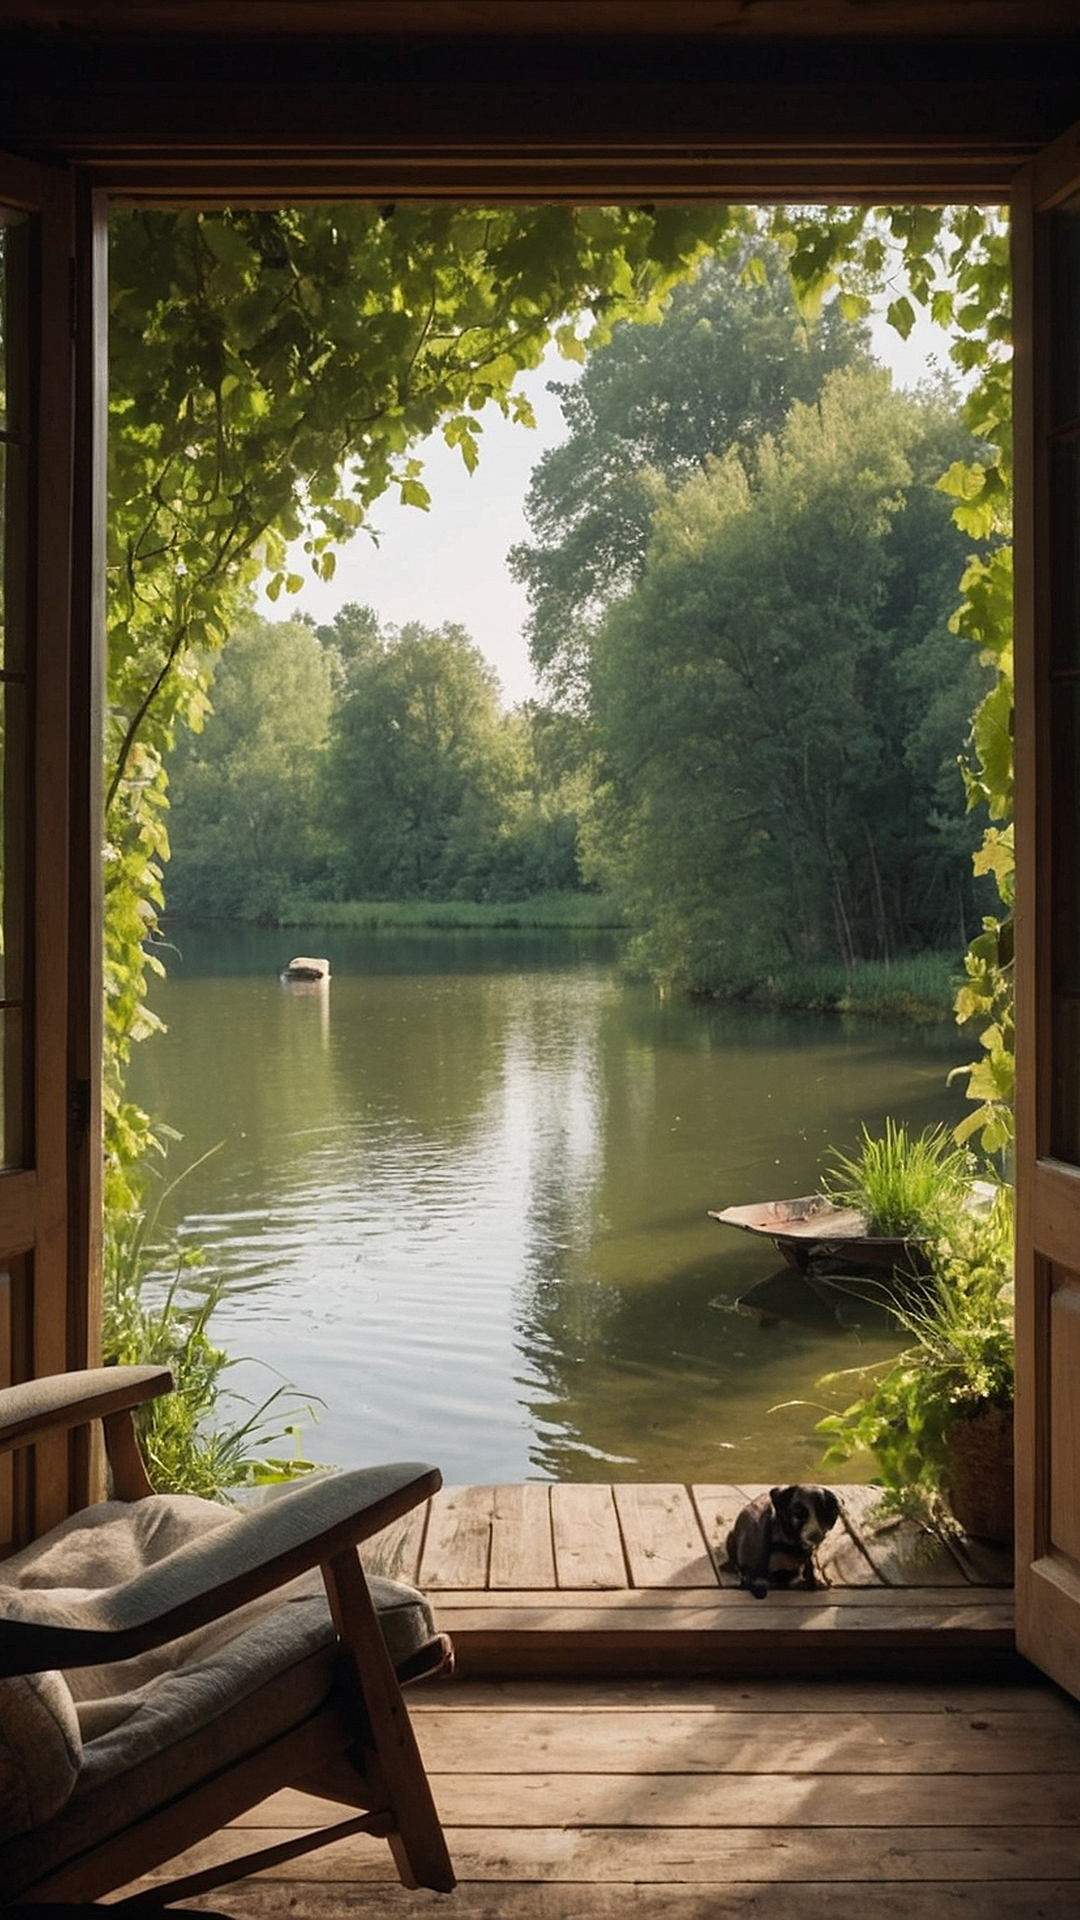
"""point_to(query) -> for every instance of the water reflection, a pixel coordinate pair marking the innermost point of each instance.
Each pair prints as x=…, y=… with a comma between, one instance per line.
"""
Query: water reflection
x=464, y=1193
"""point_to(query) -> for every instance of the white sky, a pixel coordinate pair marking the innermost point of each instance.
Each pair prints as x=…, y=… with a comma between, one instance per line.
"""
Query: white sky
x=450, y=562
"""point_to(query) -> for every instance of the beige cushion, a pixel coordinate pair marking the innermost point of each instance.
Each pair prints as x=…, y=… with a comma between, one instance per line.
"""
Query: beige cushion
x=124, y=1736
x=40, y=1750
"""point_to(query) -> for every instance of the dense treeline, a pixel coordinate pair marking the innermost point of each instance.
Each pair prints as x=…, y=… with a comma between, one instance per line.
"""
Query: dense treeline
x=355, y=761
x=741, y=578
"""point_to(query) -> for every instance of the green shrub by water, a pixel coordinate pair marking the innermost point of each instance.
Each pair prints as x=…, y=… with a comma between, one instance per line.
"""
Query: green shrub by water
x=919, y=988
x=549, y=910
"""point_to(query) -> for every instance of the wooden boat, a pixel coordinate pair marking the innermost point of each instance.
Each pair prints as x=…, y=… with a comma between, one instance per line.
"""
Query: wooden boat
x=305, y=968
x=813, y=1233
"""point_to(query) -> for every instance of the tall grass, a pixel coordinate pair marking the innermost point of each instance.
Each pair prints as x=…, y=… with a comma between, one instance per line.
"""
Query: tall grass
x=548, y=910
x=204, y=1437
x=918, y=988
x=907, y=1186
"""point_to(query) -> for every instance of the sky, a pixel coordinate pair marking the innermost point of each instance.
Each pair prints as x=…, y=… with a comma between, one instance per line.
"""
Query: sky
x=449, y=563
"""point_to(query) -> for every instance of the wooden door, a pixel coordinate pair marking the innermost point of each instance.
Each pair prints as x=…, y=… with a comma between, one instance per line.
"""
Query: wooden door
x=40, y=1332
x=1046, y=217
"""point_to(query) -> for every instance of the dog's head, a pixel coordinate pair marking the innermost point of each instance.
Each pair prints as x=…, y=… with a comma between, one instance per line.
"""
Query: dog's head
x=805, y=1513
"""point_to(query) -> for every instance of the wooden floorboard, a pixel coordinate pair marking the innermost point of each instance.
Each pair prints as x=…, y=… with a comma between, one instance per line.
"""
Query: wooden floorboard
x=595, y=1537
x=692, y=1801
x=581, y=1579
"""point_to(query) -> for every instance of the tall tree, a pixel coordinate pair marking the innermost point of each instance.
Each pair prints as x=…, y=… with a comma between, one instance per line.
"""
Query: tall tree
x=759, y=697
x=420, y=767
x=652, y=406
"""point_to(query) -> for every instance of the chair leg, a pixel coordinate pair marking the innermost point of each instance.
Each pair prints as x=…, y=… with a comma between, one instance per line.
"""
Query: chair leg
x=418, y=1845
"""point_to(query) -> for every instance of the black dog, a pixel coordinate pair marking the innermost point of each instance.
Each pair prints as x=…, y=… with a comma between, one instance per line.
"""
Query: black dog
x=774, y=1537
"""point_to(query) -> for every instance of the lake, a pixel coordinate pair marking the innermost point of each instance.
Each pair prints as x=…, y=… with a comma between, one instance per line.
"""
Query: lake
x=462, y=1193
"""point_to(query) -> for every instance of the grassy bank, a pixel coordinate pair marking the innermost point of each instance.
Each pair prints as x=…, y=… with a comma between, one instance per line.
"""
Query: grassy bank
x=548, y=910
x=919, y=989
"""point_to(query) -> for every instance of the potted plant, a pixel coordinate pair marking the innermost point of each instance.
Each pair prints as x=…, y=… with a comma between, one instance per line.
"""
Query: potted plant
x=938, y=1417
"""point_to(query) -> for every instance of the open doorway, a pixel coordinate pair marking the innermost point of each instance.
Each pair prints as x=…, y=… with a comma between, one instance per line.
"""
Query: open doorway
x=595, y=1344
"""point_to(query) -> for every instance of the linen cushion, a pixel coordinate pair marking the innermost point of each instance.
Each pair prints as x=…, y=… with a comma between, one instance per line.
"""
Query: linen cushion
x=152, y=1724
x=40, y=1750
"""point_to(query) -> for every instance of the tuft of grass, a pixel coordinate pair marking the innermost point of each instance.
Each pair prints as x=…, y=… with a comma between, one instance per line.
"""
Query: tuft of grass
x=919, y=989
x=908, y=1187
x=549, y=910
x=203, y=1438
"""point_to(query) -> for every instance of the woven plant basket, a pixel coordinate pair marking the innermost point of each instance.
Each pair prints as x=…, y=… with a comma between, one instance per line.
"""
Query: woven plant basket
x=979, y=1473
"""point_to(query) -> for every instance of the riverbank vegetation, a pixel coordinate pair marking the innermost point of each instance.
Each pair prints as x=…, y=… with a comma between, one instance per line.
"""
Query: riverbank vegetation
x=541, y=912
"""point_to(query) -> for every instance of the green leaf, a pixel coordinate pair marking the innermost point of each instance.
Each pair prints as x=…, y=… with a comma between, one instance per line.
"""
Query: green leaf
x=900, y=315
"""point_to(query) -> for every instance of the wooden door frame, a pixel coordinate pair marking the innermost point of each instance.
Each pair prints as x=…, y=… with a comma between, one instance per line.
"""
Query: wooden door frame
x=841, y=124
x=35, y=1214
x=1048, y=1190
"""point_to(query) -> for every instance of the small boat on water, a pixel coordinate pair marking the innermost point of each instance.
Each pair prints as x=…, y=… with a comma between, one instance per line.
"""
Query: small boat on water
x=813, y=1233
x=303, y=967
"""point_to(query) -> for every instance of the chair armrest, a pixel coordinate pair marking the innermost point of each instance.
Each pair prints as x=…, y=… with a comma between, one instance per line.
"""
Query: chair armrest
x=211, y=1576
x=63, y=1400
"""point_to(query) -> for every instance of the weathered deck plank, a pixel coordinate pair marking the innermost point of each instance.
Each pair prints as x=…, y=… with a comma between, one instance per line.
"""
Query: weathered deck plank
x=457, y=1544
x=626, y=1741
x=395, y=1552
x=716, y=1508
x=522, y=1549
x=716, y=1801
x=903, y=1554
x=719, y=1856
x=534, y=1900
x=588, y=1544
x=662, y=1537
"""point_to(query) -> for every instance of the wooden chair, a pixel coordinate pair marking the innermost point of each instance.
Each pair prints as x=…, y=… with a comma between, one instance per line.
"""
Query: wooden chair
x=245, y=1670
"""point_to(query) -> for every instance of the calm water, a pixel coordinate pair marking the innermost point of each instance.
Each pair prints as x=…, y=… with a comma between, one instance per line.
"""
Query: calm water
x=463, y=1192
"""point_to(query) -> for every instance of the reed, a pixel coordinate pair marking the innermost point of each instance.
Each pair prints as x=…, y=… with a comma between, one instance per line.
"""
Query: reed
x=204, y=1437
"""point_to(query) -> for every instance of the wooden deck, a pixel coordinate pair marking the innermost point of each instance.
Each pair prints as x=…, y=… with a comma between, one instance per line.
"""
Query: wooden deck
x=593, y=1579
x=712, y=1800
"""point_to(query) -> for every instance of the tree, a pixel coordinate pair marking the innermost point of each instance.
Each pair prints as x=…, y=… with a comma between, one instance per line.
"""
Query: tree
x=272, y=374
x=243, y=790
x=420, y=766
x=652, y=406
x=953, y=263
x=758, y=699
